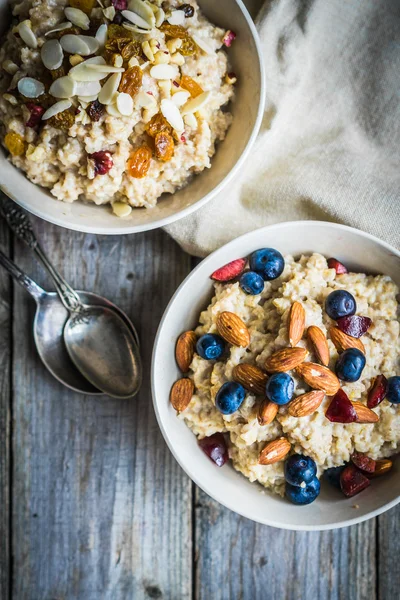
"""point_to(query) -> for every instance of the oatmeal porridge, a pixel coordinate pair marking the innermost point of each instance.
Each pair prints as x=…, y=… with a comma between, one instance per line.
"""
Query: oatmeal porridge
x=297, y=364
x=113, y=101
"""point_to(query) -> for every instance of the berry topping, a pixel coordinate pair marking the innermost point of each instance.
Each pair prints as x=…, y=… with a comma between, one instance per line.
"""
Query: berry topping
x=251, y=283
x=229, y=271
x=279, y=388
x=363, y=462
x=352, y=481
x=229, y=397
x=340, y=304
x=187, y=9
x=120, y=4
x=333, y=475
x=341, y=409
x=268, y=262
x=36, y=114
x=377, y=391
x=355, y=326
x=215, y=448
x=228, y=38
x=393, y=390
x=210, y=346
x=300, y=469
x=103, y=162
x=339, y=267
x=95, y=110
x=350, y=364
x=303, y=494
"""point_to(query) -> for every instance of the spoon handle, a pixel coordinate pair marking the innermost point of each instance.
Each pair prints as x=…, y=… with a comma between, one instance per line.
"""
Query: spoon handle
x=26, y=282
x=20, y=224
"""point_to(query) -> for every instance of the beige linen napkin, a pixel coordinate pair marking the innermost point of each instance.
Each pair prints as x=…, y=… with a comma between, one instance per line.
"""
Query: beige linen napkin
x=329, y=145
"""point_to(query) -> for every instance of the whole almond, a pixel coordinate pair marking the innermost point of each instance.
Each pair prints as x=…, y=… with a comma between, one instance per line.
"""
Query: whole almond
x=274, y=451
x=251, y=377
x=319, y=377
x=267, y=412
x=319, y=343
x=306, y=404
x=232, y=329
x=382, y=466
x=342, y=341
x=365, y=414
x=285, y=359
x=181, y=393
x=184, y=350
x=297, y=322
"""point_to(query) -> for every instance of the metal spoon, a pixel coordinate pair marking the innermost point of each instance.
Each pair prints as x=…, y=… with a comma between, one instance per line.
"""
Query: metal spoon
x=99, y=342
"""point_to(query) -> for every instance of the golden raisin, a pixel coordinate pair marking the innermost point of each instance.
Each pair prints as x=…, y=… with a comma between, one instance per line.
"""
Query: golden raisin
x=63, y=120
x=173, y=31
x=188, y=47
x=191, y=86
x=117, y=31
x=132, y=48
x=85, y=5
x=164, y=145
x=157, y=124
x=139, y=162
x=131, y=81
x=14, y=143
x=56, y=73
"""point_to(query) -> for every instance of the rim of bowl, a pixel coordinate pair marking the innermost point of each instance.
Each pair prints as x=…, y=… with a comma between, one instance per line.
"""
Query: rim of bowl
x=194, y=207
x=203, y=485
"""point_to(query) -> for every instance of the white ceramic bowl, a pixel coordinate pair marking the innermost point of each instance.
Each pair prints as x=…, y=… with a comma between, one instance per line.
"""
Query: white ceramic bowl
x=359, y=251
x=247, y=109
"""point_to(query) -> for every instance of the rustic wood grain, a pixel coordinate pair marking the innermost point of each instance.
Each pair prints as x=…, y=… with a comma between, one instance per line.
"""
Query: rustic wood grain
x=388, y=554
x=101, y=509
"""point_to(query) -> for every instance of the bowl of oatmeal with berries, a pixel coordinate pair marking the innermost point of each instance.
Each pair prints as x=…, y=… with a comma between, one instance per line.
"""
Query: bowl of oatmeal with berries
x=276, y=375
x=111, y=106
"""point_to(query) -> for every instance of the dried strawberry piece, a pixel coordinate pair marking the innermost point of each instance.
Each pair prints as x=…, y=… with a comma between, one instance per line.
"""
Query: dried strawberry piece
x=377, y=391
x=36, y=114
x=341, y=410
x=334, y=263
x=352, y=481
x=228, y=38
x=363, y=462
x=355, y=325
x=103, y=162
x=120, y=4
x=230, y=270
x=215, y=448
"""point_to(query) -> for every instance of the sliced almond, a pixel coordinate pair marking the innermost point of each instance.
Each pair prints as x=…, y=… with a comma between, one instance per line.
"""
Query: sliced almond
x=177, y=17
x=203, y=44
x=145, y=100
x=195, y=104
x=342, y=341
x=52, y=54
x=160, y=16
x=319, y=343
x=285, y=360
x=74, y=44
x=77, y=17
x=56, y=108
x=231, y=327
x=136, y=29
x=27, y=35
x=297, y=321
x=125, y=104
x=274, y=451
x=181, y=393
x=365, y=414
x=109, y=12
x=267, y=412
x=30, y=87
x=164, y=71
x=180, y=98
x=112, y=110
x=105, y=68
x=306, y=404
x=91, y=42
x=144, y=10
x=171, y=112
x=60, y=27
x=101, y=35
x=319, y=377
x=135, y=19
x=63, y=87
x=87, y=88
x=184, y=351
x=382, y=466
x=251, y=377
x=110, y=88
x=82, y=73
x=121, y=209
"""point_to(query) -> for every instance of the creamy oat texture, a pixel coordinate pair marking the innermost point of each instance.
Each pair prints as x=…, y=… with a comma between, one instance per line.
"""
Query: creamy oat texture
x=308, y=280
x=59, y=160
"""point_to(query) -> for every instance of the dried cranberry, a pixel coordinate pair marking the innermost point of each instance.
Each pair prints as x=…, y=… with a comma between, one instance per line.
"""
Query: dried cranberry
x=36, y=114
x=230, y=271
x=363, y=462
x=120, y=4
x=352, y=481
x=377, y=391
x=228, y=38
x=187, y=9
x=339, y=267
x=175, y=83
x=183, y=138
x=341, y=409
x=95, y=110
x=103, y=162
x=355, y=326
x=118, y=19
x=215, y=448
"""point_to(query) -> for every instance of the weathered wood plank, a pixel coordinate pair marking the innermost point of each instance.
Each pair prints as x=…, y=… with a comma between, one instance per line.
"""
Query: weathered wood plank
x=101, y=509
x=388, y=554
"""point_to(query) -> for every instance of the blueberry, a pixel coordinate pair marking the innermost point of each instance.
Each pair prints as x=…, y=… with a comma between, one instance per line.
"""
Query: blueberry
x=210, y=346
x=303, y=494
x=229, y=397
x=393, y=391
x=350, y=364
x=279, y=388
x=333, y=475
x=340, y=304
x=251, y=283
x=268, y=262
x=300, y=469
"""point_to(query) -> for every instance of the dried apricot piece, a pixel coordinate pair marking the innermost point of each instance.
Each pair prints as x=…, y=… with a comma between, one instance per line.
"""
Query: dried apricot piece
x=157, y=124
x=139, y=162
x=131, y=81
x=14, y=143
x=191, y=86
x=164, y=145
x=63, y=120
x=85, y=5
